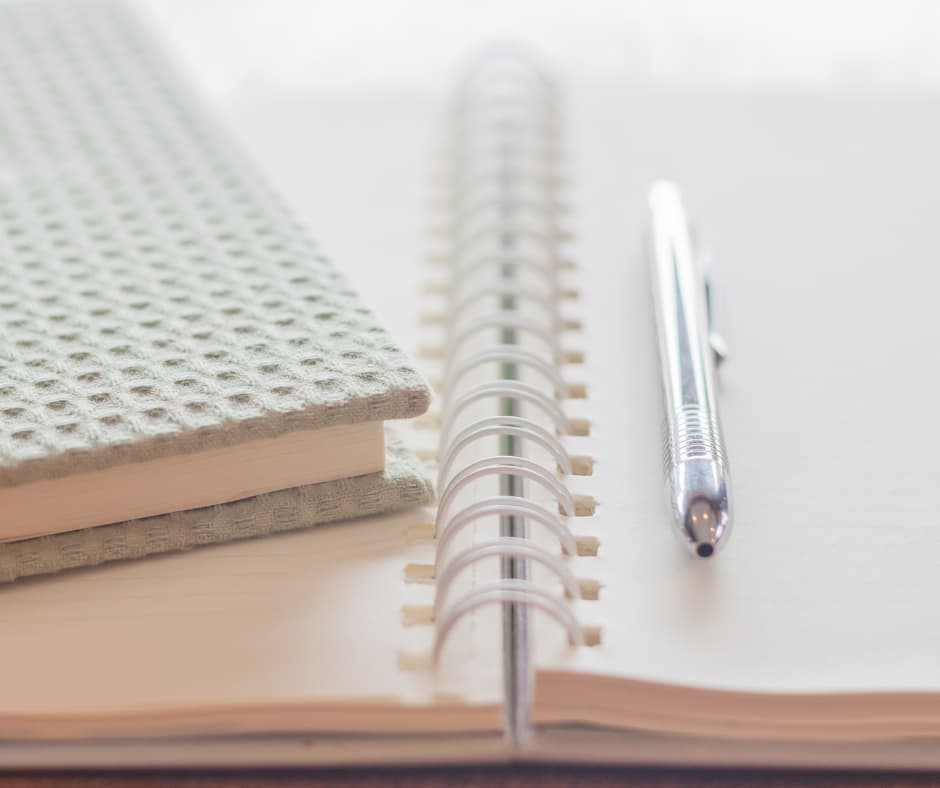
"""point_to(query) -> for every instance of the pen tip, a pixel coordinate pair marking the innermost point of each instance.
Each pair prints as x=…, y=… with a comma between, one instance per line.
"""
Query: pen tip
x=703, y=526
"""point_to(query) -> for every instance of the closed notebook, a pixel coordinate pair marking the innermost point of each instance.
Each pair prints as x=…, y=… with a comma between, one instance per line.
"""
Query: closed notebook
x=403, y=484
x=590, y=634
x=170, y=337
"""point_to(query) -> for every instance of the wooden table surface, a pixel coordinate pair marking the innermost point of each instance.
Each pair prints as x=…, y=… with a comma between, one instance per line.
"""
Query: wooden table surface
x=514, y=777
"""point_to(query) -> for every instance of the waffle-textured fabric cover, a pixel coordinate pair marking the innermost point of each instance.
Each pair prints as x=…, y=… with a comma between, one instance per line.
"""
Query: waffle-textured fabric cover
x=155, y=296
x=402, y=485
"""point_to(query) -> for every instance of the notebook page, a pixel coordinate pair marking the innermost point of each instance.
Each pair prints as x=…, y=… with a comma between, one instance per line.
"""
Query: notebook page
x=299, y=631
x=820, y=214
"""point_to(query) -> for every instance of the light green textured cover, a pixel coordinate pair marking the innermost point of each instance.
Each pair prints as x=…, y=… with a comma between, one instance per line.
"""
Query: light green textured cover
x=403, y=484
x=155, y=296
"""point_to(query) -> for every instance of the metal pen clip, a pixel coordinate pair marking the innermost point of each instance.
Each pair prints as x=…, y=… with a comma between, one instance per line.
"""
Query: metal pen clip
x=696, y=463
x=718, y=346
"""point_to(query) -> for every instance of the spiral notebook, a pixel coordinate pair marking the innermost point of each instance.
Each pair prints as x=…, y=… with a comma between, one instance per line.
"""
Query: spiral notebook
x=544, y=610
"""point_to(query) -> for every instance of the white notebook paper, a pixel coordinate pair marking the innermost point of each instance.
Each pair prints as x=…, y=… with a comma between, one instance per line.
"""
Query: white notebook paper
x=818, y=213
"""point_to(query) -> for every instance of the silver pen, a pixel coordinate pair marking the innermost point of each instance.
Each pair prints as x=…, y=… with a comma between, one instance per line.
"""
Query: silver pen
x=696, y=464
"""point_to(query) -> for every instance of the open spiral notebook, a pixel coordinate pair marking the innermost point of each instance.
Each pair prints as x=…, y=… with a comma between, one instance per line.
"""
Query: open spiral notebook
x=545, y=611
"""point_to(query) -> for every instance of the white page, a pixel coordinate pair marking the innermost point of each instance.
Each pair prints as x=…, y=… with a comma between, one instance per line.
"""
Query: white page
x=821, y=214
x=300, y=631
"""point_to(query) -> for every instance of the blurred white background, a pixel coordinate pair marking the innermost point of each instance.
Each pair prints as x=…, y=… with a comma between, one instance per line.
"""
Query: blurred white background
x=339, y=100
x=347, y=47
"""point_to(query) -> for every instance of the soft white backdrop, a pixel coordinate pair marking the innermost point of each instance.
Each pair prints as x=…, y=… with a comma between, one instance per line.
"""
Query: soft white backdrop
x=343, y=47
x=338, y=99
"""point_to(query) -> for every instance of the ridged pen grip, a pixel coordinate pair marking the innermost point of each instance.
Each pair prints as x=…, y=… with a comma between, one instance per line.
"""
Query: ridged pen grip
x=693, y=433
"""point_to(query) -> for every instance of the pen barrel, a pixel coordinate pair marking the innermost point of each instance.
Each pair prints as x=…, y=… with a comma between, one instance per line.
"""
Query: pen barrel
x=695, y=462
x=693, y=433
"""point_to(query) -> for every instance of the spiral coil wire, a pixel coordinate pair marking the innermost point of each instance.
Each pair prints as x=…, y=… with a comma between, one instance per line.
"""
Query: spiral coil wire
x=504, y=250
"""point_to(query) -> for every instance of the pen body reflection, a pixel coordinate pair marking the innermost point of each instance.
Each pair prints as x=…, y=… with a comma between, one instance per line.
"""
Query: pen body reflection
x=695, y=461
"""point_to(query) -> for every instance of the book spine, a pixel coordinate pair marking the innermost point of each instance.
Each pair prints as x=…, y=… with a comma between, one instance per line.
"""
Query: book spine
x=502, y=451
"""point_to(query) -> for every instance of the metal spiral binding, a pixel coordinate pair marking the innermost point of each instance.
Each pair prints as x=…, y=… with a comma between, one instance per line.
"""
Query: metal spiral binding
x=505, y=248
x=503, y=452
